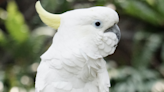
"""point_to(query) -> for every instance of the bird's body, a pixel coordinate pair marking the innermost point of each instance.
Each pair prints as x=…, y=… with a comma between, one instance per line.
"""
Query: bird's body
x=74, y=62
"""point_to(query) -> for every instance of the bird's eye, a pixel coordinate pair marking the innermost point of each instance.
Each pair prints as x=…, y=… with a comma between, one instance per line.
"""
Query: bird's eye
x=97, y=23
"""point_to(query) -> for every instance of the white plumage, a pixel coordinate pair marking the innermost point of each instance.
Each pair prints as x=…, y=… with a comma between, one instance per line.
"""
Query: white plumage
x=74, y=62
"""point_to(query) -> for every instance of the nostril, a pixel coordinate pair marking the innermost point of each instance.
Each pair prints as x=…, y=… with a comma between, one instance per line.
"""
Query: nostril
x=115, y=45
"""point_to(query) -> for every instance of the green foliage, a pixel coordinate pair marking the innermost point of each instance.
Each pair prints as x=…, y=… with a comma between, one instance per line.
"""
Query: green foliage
x=150, y=11
x=129, y=79
x=145, y=47
x=146, y=73
x=20, y=50
x=15, y=23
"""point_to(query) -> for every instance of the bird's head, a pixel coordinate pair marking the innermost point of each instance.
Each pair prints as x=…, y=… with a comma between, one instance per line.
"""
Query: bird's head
x=91, y=28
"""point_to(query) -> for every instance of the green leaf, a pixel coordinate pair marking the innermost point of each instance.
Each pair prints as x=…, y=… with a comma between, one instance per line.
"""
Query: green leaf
x=15, y=23
x=121, y=87
x=151, y=2
x=100, y=2
x=140, y=10
x=143, y=51
x=50, y=5
x=160, y=6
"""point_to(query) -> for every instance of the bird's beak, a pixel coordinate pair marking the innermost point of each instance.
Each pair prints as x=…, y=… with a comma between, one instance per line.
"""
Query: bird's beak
x=52, y=20
x=115, y=29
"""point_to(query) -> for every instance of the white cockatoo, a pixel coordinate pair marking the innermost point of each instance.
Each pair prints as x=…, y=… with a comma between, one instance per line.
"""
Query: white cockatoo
x=74, y=62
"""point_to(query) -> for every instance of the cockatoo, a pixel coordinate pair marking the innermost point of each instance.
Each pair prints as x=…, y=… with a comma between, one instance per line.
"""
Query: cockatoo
x=74, y=62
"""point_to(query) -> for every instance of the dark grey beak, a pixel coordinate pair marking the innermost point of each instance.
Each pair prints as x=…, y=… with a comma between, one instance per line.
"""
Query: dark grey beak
x=115, y=29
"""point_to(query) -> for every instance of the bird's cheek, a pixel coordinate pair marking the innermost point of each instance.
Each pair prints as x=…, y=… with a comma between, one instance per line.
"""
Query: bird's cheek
x=109, y=37
x=107, y=43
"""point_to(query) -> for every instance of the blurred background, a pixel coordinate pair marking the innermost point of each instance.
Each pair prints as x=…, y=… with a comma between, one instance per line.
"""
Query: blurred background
x=136, y=66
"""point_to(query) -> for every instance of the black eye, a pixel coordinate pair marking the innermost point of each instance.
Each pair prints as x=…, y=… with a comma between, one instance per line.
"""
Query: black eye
x=97, y=24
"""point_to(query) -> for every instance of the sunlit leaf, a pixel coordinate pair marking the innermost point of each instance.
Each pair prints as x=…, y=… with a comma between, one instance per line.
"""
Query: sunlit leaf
x=3, y=14
x=151, y=2
x=157, y=86
x=15, y=23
